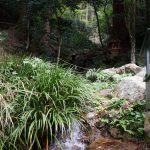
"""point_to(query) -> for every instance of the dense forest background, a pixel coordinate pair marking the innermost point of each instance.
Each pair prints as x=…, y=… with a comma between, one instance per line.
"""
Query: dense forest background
x=85, y=33
x=71, y=74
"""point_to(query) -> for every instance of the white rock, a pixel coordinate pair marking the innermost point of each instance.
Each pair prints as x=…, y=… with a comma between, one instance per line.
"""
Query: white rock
x=92, y=118
x=105, y=92
x=131, y=88
x=133, y=68
x=91, y=115
x=109, y=71
x=141, y=73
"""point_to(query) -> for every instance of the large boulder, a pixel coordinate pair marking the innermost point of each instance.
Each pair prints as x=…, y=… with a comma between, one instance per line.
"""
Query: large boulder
x=109, y=71
x=128, y=68
x=141, y=73
x=131, y=88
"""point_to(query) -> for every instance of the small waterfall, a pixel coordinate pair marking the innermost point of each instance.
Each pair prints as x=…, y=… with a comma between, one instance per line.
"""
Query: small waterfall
x=73, y=142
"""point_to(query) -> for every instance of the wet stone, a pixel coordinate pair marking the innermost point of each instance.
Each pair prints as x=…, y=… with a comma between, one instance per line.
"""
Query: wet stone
x=110, y=144
x=75, y=147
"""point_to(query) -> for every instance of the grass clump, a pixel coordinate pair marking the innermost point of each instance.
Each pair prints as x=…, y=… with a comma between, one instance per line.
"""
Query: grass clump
x=37, y=100
x=99, y=80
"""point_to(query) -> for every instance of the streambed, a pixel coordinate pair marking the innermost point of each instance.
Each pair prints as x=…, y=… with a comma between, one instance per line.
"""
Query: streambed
x=72, y=142
x=96, y=142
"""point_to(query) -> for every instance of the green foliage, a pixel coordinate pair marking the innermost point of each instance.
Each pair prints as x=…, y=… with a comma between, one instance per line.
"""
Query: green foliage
x=105, y=76
x=99, y=81
x=92, y=74
x=116, y=103
x=103, y=80
x=76, y=36
x=126, y=117
x=36, y=15
x=99, y=75
x=3, y=36
x=38, y=100
x=119, y=112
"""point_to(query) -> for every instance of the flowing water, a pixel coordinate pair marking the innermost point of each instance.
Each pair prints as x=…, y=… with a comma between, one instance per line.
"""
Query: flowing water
x=73, y=142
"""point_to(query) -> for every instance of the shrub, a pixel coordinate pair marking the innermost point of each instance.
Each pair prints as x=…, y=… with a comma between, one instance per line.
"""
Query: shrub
x=92, y=74
x=37, y=100
x=126, y=117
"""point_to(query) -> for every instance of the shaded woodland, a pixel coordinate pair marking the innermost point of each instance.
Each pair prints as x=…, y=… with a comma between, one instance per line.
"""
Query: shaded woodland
x=84, y=33
x=71, y=74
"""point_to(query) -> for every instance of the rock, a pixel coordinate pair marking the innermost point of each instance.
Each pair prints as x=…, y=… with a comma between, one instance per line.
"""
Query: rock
x=91, y=115
x=91, y=118
x=115, y=133
x=116, y=77
x=131, y=88
x=110, y=144
x=105, y=92
x=75, y=147
x=141, y=73
x=85, y=139
x=128, y=68
x=95, y=134
x=109, y=71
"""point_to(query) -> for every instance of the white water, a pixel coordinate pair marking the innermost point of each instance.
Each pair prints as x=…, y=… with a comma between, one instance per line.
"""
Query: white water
x=73, y=142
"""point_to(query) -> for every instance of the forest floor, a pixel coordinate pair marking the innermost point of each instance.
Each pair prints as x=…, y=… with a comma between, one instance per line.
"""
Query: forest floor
x=113, y=122
x=116, y=123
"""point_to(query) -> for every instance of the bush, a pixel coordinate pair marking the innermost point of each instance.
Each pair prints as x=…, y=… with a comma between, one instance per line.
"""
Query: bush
x=37, y=100
x=127, y=117
x=92, y=74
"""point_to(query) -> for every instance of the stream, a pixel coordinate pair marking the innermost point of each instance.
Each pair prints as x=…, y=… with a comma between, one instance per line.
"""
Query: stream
x=73, y=142
x=96, y=139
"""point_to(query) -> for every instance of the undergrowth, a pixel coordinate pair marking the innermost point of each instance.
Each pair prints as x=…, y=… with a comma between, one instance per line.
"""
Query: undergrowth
x=126, y=117
x=37, y=100
x=99, y=80
x=118, y=113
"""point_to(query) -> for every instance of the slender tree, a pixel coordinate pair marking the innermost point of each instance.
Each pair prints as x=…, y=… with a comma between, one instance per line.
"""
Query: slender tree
x=107, y=16
x=130, y=19
x=147, y=3
x=94, y=3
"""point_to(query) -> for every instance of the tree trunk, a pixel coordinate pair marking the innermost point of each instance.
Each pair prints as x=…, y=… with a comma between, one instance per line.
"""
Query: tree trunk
x=147, y=2
x=130, y=8
x=132, y=40
x=28, y=35
x=107, y=18
x=98, y=23
x=87, y=14
x=107, y=21
x=23, y=21
x=59, y=47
